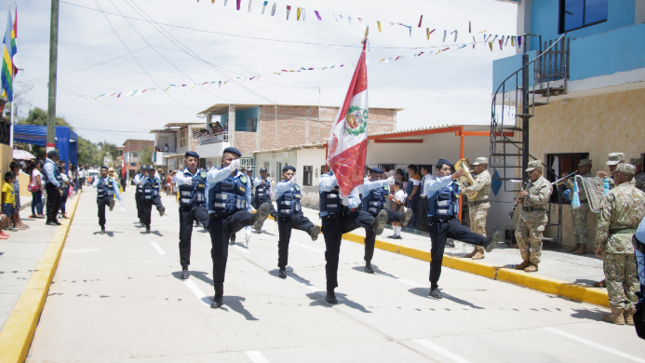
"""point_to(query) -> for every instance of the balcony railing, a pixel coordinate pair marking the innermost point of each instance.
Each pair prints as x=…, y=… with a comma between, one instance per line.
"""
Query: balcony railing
x=214, y=139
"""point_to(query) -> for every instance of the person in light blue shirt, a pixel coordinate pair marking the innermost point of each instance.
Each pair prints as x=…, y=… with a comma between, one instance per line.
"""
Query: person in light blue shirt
x=228, y=199
x=139, y=192
x=443, y=220
x=106, y=190
x=340, y=215
x=53, y=184
x=290, y=216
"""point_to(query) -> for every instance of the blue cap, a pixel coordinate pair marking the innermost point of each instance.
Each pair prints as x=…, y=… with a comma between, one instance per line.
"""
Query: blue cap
x=445, y=162
x=377, y=170
x=191, y=153
x=640, y=232
x=232, y=150
x=263, y=169
x=104, y=167
x=151, y=167
x=288, y=167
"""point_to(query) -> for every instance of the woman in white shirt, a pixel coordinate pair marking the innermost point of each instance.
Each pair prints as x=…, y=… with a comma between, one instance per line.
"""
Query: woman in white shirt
x=398, y=205
x=37, y=195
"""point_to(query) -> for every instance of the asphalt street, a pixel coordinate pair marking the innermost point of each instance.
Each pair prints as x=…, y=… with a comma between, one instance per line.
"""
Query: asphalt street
x=118, y=297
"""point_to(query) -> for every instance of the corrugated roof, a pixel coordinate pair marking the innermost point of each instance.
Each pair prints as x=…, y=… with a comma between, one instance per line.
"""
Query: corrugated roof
x=222, y=108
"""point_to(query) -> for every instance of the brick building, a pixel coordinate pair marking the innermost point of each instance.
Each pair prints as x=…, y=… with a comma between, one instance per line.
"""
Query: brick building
x=253, y=128
x=132, y=152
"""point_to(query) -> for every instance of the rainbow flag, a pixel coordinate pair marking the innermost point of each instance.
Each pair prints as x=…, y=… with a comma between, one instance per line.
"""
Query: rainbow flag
x=7, y=60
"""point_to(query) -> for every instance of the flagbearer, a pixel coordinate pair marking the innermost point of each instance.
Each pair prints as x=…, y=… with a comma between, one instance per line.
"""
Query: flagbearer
x=151, y=188
x=139, y=192
x=290, y=216
x=375, y=194
x=229, y=210
x=262, y=186
x=339, y=215
x=192, y=206
x=106, y=190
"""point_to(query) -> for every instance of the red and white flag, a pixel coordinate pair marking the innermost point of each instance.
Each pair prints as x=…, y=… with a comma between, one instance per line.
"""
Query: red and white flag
x=348, y=139
x=122, y=166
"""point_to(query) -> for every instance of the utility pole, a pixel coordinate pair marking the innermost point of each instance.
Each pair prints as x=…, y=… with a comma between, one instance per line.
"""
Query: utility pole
x=53, y=65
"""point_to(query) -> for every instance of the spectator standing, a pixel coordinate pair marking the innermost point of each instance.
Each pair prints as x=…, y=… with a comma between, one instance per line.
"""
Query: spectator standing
x=166, y=148
x=8, y=197
x=398, y=205
x=412, y=190
x=15, y=168
x=64, y=189
x=36, y=188
x=53, y=183
x=81, y=177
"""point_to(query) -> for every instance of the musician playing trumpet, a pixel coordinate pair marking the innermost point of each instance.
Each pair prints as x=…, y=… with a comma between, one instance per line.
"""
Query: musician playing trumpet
x=478, y=205
x=579, y=214
x=530, y=228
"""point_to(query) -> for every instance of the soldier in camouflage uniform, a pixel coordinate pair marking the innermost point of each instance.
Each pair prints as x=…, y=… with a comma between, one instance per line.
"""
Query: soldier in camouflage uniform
x=639, y=175
x=478, y=204
x=579, y=215
x=530, y=227
x=621, y=211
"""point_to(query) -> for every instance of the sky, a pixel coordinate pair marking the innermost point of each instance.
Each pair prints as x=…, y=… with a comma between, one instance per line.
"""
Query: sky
x=103, y=53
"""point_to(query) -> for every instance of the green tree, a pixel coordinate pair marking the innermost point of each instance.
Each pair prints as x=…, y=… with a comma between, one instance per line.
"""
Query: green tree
x=146, y=156
x=86, y=151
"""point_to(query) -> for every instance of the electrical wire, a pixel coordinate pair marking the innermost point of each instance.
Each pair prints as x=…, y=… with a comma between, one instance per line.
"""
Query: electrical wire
x=136, y=60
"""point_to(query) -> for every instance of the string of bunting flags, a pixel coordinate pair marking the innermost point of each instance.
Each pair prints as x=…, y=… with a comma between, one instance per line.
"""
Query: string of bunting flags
x=504, y=41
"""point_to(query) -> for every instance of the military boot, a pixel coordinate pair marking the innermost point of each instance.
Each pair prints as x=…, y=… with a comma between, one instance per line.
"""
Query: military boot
x=574, y=248
x=600, y=284
x=615, y=317
x=581, y=250
x=533, y=267
x=629, y=317
x=479, y=256
x=522, y=265
x=470, y=255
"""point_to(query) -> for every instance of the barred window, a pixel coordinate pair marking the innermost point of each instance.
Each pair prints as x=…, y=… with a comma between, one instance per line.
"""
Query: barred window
x=307, y=175
x=247, y=163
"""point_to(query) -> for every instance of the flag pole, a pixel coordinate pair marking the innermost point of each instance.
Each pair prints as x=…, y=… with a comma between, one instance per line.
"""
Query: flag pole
x=11, y=125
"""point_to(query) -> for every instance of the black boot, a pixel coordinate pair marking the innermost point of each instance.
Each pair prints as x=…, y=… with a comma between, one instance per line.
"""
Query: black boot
x=232, y=240
x=218, y=298
x=102, y=230
x=314, y=232
x=331, y=298
x=368, y=267
x=379, y=222
x=184, y=272
x=147, y=229
x=162, y=211
x=282, y=273
x=111, y=205
x=493, y=240
x=435, y=293
x=260, y=216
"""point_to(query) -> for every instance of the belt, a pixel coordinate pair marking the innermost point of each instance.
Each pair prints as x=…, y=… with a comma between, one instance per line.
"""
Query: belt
x=533, y=209
x=625, y=230
x=435, y=219
x=477, y=202
x=217, y=215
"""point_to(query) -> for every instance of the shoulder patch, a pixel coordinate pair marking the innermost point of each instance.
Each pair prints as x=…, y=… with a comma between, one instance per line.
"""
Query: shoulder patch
x=203, y=174
x=243, y=178
x=297, y=187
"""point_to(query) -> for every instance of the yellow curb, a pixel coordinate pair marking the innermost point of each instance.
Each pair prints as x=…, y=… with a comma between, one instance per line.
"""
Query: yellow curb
x=18, y=332
x=536, y=282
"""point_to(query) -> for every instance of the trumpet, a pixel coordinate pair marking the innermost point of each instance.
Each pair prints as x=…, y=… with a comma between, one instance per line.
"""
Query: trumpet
x=466, y=180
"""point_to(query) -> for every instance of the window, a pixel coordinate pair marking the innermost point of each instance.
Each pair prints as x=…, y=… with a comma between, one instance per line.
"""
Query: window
x=576, y=14
x=559, y=165
x=278, y=170
x=182, y=137
x=307, y=175
x=247, y=163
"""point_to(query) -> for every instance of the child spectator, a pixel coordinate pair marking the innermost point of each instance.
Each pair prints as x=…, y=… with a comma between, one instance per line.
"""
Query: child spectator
x=398, y=205
x=15, y=218
x=8, y=197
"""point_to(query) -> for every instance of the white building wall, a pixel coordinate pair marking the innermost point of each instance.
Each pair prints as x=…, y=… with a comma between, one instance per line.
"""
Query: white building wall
x=316, y=159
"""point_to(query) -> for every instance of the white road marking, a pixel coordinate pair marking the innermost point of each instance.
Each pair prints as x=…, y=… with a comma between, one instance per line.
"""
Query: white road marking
x=310, y=287
x=158, y=248
x=407, y=282
x=199, y=293
x=242, y=249
x=257, y=356
x=595, y=345
x=452, y=356
x=83, y=250
x=307, y=247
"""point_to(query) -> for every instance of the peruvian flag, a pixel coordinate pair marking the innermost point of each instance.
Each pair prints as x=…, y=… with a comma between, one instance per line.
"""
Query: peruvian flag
x=123, y=166
x=348, y=139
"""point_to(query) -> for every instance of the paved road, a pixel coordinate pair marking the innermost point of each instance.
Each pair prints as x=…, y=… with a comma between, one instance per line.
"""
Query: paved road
x=118, y=298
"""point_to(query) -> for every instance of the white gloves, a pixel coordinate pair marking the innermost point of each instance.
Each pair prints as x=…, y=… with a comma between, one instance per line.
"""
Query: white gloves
x=188, y=181
x=122, y=205
x=294, y=180
x=345, y=202
x=235, y=164
x=390, y=181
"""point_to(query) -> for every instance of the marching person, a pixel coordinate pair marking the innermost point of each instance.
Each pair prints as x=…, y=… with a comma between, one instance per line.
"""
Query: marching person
x=579, y=215
x=290, y=216
x=478, y=205
x=228, y=200
x=530, y=229
x=53, y=185
x=443, y=220
x=192, y=206
x=375, y=194
x=621, y=211
x=139, y=192
x=106, y=190
x=340, y=215
x=151, y=190
x=639, y=175
x=262, y=195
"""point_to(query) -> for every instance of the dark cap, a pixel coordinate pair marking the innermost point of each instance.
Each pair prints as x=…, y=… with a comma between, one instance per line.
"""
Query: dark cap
x=104, y=167
x=151, y=167
x=288, y=167
x=232, y=150
x=263, y=169
x=51, y=153
x=191, y=153
x=377, y=171
x=445, y=162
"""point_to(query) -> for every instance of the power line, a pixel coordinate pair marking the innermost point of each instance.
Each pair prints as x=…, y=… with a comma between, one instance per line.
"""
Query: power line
x=135, y=58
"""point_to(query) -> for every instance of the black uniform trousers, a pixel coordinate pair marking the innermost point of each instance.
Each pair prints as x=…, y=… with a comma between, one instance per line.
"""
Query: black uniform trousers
x=370, y=236
x=258, y=202
x=53, y=202
x=333, y=230
x=285, y=225
x=221, y=229
x=147, y=209
x=187, y=217
x=137, y=198
x=102, y=203
x=439, y=231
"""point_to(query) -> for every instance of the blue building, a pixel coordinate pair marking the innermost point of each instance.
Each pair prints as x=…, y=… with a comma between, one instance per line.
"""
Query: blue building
x=585, y=96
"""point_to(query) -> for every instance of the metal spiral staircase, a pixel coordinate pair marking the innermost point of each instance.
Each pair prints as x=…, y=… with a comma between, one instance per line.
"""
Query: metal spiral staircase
x=513, y=105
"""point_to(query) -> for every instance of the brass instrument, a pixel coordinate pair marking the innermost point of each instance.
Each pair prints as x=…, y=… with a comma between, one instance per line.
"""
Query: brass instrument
x=466, y=180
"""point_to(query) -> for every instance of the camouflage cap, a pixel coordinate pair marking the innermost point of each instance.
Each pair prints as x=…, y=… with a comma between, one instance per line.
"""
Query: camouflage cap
x=615, y=158
x=480, y=160
x=636, y=161
x=533, y=165
x=625, y=169
x=585, y=162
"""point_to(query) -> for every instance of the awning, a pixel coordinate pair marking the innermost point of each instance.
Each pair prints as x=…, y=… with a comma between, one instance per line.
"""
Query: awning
x=66, y=140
